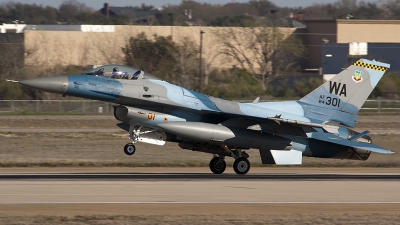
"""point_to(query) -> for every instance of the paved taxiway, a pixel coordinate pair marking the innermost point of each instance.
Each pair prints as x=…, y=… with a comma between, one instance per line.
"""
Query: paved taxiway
x=194, y=190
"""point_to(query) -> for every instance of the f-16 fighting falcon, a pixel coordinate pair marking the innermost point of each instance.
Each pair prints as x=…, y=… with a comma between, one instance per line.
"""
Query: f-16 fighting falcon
x=154, y=111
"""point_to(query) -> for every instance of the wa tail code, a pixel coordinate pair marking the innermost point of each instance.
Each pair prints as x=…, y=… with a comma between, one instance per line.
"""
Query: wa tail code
x=337, y=88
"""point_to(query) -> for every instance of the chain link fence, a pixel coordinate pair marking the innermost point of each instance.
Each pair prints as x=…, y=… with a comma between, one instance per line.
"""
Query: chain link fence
x=98, y=107
x=55, y=106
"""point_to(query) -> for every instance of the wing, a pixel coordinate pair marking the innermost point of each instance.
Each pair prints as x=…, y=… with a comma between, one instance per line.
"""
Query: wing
x=274, y=125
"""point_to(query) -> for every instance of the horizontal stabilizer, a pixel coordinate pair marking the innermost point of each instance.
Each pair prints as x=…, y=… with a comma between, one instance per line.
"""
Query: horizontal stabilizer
x=354, y=144
x=370, y=147
x=292, y=157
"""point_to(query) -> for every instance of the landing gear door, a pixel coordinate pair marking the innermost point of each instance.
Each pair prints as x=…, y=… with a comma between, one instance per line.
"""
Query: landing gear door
x=151, y=136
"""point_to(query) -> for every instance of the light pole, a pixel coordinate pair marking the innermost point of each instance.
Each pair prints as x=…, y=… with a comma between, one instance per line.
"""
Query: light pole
x=201, y=62
x=171, y=16
x=273, y=11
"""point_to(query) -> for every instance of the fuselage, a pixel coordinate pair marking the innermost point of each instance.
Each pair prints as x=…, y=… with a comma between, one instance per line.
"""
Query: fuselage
x=164, y=100
x=159, y=94
x=282, y=131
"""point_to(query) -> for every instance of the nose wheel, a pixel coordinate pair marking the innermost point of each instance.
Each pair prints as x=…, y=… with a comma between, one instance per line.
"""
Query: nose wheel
x=217, y=165
x=130, y=149
x=241, y=165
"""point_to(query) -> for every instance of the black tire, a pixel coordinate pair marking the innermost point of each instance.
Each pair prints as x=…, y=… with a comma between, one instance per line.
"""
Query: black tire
x=129, y=149
x=217, y=165
x=241, y=165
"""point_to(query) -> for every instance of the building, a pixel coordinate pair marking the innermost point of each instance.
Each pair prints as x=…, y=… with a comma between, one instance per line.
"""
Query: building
x=139, y=17
x=336, y=56
x=12, y=49
x=331, y=44
x=12, y=28
x=48, y=46
x=334, y=44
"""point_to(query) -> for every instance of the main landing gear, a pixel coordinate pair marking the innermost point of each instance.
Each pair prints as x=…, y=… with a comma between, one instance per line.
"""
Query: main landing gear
x=240, y=166
x=217, y=165
x=134, y=132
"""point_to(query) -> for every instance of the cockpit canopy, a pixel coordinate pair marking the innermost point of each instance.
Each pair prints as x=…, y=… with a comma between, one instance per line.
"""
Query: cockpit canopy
x=120, y=72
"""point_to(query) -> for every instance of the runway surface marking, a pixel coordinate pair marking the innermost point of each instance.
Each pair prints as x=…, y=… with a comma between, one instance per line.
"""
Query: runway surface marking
x=177, y=193
x=197, y=176
x=68, y=203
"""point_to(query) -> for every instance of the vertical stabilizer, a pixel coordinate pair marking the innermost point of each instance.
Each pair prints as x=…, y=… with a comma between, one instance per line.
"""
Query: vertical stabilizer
x=340, y=98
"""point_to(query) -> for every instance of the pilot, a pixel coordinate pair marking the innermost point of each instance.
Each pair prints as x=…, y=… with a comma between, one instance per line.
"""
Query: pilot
x=114, y=72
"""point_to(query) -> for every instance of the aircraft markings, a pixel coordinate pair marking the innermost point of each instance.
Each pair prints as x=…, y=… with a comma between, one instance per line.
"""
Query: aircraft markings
x=334, y=87
x=151, y=116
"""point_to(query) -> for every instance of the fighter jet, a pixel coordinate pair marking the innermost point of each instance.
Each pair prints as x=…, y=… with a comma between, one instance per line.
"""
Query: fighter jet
x=155, y=111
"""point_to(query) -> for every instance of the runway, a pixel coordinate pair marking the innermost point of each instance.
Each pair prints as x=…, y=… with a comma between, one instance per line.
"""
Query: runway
x=198, y=192
x=188, y=191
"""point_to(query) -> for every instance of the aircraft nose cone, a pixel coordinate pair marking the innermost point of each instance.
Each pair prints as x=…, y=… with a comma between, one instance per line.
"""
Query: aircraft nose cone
x=55, y=84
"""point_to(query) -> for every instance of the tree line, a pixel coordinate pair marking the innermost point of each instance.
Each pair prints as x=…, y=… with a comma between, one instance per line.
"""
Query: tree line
x=251, y=13
x=178, y=61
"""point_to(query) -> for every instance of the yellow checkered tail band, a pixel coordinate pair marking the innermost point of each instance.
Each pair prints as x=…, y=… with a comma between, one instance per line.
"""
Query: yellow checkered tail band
x=370, y=66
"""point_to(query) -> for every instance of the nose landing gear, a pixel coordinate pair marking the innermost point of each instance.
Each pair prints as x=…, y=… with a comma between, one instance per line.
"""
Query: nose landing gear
x=130, y=149
x=134, y=132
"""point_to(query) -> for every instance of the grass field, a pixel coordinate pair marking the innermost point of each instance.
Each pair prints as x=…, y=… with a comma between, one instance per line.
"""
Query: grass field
x=255, y=219
x=106, y=149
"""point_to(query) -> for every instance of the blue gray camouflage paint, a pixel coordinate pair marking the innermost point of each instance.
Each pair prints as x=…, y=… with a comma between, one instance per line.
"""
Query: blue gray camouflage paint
x=282, y=131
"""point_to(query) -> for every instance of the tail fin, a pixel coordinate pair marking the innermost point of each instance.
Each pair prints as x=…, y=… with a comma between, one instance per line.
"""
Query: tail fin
x=340, y=98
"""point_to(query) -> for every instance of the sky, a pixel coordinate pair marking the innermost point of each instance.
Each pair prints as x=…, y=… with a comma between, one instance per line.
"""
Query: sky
x=97, y=4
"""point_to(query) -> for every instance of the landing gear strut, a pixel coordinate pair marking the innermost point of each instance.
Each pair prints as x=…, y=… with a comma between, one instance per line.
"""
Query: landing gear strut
x=134, y=132
x=218, y=165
